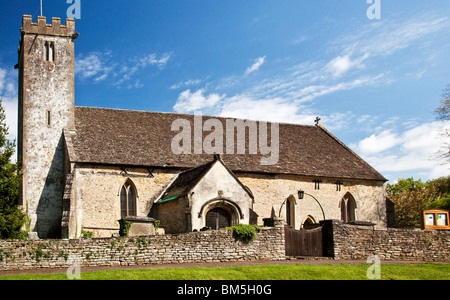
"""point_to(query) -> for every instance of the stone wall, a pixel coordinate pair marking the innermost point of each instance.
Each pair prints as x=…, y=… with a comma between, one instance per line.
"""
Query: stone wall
x=209, y=246
x=360, y=242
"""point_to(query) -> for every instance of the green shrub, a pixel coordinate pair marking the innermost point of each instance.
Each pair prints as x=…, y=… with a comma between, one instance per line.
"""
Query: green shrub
x=244, y=232
x=86, y=234
x=124, y=227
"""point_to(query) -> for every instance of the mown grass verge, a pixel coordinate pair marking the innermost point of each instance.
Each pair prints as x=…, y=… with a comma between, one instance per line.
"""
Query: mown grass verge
x=428, y=271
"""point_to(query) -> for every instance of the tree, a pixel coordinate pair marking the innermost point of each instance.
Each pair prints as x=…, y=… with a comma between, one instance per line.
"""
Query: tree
x=443, y=114
x=411, y=197
x=442, y=185
x=11, y=217
x=443, y=111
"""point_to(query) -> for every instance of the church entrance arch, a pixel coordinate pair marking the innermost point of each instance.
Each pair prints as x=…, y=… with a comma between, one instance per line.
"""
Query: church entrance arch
x=218, y=218
x=220, y=214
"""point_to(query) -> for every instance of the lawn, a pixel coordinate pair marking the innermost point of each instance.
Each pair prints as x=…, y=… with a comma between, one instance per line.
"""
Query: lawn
x=428, y=271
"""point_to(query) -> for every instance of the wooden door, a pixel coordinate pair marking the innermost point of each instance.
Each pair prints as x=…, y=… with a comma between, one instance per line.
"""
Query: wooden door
x=218, y=218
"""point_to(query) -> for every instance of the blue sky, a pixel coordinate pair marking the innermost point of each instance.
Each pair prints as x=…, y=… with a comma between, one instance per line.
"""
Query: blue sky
x=375, y=83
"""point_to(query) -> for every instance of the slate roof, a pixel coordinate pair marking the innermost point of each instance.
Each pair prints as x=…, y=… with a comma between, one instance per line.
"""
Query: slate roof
x=138, y=138
x=184, y=182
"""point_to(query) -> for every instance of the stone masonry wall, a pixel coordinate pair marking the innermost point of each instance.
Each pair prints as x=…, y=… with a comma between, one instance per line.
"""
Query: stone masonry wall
x=209, y=246
x=360, y=242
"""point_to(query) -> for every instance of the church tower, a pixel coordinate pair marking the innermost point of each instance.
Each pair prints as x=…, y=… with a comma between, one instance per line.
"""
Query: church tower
x=46, y=107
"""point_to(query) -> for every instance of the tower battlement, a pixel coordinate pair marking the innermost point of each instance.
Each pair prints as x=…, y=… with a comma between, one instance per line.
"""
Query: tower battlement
x=42, y=28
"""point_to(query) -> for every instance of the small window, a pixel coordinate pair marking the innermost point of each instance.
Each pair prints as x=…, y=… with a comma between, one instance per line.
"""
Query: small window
x=128, y=200
x=49, y=51
x=48, y=118
x=46, y=51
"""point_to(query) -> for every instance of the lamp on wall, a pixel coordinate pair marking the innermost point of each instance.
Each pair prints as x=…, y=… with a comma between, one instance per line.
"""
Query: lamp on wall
x=301, y=194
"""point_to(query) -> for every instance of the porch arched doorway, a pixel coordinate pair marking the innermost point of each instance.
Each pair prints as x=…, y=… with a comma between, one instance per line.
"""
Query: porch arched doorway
x=217, y=218
x=220, y=214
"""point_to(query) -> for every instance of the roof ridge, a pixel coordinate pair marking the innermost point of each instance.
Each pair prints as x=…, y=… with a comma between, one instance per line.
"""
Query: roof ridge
x=190, y=115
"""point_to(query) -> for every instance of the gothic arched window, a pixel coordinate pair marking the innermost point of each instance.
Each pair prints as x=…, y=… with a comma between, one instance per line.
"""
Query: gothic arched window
x=128, y=199
x=348, y=207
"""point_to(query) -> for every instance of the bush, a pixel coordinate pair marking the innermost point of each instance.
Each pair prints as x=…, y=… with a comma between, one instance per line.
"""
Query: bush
x=124, y=227
x=244, y=232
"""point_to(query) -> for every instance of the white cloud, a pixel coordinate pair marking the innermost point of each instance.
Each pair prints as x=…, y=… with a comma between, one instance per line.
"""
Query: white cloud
x=390, y=36
x=152, y=59
x=2, y=79
x=186, y=83
x=8, y=94
x=94, y=65
x=256, y=65
x=342, y=64
x=191, y=102
x=101, y=66
x=414, y=149
x=130, y=68
x=244, y=107
x=337, y=121
x=11, y=107
x=378, y=142
x=311, y=92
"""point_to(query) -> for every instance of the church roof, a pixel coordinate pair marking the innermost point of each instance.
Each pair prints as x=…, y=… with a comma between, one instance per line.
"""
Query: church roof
x=138, y=138
x=184, y=182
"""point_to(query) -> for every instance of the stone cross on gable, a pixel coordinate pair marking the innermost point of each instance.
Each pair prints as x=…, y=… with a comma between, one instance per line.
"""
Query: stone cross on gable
x=317, y=120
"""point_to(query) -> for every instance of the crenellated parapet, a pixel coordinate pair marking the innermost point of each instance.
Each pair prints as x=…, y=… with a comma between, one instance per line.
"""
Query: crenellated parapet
x=42, y=28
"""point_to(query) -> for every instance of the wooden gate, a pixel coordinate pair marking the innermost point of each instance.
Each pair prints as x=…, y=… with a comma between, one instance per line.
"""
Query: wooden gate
x=304, y=242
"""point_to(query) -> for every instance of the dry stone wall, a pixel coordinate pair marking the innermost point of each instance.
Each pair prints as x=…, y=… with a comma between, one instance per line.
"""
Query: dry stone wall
x=209, y=246
x=360, y=242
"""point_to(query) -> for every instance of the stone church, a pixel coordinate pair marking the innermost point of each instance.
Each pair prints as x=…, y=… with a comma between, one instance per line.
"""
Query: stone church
x=86, y=168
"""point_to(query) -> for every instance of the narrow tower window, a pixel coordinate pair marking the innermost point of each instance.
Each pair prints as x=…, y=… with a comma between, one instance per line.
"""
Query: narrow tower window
x=49, y=51
x=48, y=118
x=46, y=51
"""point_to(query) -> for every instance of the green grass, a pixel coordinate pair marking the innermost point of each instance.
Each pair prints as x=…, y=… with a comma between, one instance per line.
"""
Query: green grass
x=426, y=271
